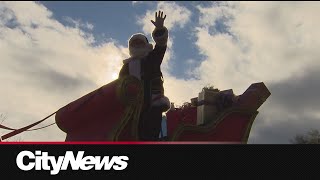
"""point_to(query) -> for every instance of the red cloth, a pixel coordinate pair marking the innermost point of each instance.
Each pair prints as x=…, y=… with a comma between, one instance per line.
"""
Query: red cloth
x=92, y=117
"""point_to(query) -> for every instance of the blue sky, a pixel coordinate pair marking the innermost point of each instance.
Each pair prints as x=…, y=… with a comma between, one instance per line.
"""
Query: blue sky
x=52, y=53
x=118, y=21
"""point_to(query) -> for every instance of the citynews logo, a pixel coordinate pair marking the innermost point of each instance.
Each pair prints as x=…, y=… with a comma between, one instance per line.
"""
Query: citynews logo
x=42, y=161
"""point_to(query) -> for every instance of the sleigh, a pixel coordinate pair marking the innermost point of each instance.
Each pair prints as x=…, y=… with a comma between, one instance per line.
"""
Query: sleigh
x=111, y=113
x=229, y=123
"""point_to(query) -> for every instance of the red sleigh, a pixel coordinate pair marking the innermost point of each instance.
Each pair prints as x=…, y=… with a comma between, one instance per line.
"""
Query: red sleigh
x=111, y=113
x=102, y=117
x=231, y=124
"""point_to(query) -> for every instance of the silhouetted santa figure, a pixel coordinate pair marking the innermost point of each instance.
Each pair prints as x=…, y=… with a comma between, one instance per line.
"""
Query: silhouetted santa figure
x=145, y=64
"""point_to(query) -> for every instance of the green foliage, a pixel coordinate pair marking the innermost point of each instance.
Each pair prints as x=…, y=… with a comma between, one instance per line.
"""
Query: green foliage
x=311, y=137
x=210, y=87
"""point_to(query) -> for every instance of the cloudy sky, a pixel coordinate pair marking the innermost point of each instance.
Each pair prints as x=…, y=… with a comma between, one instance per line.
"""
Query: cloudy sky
x=52, y=53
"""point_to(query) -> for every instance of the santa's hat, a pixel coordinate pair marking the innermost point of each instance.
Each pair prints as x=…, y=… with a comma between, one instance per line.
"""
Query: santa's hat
x=139, y=50
x=138, y=36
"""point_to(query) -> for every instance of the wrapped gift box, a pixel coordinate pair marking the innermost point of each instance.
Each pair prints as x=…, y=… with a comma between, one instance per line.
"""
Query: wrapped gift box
x=206, y=110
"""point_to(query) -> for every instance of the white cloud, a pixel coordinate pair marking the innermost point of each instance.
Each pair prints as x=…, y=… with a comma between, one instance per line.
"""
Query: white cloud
x=266, y=41
x=180, y=91
x=269, y=41
x=176, y=16
x=79, y=24
x=136, y=2
x=45, y=65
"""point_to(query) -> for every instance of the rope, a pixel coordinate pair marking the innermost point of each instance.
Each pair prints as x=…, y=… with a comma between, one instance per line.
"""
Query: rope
x=41, y=127
x=134, y=104
x=8, y=128
x=18, y=131
x=26, y=128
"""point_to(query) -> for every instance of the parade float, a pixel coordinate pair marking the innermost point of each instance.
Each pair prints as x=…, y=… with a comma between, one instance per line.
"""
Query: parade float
x=111, y=113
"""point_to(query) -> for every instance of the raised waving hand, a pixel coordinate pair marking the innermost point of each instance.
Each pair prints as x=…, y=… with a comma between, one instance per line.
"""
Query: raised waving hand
x=159, y=19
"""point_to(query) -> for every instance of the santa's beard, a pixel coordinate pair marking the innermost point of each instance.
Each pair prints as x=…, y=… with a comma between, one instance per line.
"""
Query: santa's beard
x=140, y=52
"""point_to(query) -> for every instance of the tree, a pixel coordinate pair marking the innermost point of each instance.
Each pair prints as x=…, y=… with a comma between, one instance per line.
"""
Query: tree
x=3, y=117
x=311, y=137
x=210, y=87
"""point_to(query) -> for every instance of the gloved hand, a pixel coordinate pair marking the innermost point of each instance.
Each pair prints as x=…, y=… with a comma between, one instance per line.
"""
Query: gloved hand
x=159, y=20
